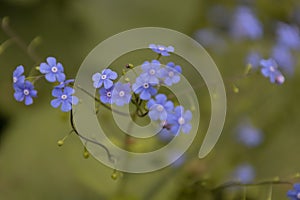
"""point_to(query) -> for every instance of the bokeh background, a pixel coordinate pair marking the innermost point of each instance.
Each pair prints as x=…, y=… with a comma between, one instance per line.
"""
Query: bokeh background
x=32, y=166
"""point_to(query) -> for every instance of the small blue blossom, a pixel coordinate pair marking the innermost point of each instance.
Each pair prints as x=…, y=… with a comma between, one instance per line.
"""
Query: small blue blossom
x=294, y=194
x=244, y=173
x=253, y=59
x=121, y=94
x=284, y=58
x=105, y=78
x=54, y=71
x=144, y=87
x=25, y=91
x=170, y=74
x=165, y=134
x=106, y=94
x=245, y=24
x=159, y=108
x=150, y=71
x=270, y=69
x=288, y=36
x=248, y=135
x=65, y=98
x=210, y=38
x=162, y=50
x=179, y=120
x=18, y=77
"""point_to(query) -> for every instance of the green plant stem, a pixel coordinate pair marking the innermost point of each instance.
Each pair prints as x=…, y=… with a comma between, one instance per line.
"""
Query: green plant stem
x=18, y=41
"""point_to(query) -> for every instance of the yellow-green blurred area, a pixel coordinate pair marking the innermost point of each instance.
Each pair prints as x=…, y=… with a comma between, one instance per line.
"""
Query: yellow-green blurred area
x=33, y=167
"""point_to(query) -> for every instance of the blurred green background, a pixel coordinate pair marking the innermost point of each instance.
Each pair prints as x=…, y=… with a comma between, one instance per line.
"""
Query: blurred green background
x=33, y=167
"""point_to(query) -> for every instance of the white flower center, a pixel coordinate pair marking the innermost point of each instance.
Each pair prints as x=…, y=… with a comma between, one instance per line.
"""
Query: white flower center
x=171, y=74
x=26, y=92
x=160, y=108
x=15, y=79
x=54, y=69
x=64, y=97
x=298, y=195
x=103, y=76
x=108, y=94
x=146, y=85
x=152, y=72
x=121, y=93
x=161, y=48
x=272, y=69
x=181, y=121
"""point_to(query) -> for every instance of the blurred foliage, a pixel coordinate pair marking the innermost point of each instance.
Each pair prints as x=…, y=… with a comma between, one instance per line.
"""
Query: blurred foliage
x=32, y=166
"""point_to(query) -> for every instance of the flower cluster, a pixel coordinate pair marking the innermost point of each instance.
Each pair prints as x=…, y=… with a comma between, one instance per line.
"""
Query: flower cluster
x=243, y=25
x=146, y=88
x=53, y=72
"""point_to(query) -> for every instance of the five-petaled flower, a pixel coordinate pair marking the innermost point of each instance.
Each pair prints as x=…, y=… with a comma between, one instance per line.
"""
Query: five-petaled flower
x=159, y=108
x=144, y=87
x=64, y=97
x=162, y=50
x=270, y=69
x=106, y=94
x=53, y=71
x=121, y=94
x=294, y=194
x=18, y=77
x=151, y=71
x=25, y=91
x=179, y=120
x=105, y=78
x=170, y=74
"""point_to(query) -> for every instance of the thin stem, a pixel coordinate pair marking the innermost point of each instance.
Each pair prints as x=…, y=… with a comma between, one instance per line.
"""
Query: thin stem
x=234, y=184
x=110, y=157
x=17, y=40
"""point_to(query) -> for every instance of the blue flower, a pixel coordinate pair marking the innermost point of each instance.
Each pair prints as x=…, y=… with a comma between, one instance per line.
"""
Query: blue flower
x=244, y=173
x=25, y=91
x=159, y=108
x=144, y=87
x=245, y=24
x=105, y=78
x=106, y=94
x=284, y=58
x=170, y=73
x=18, y=77
x=288, y=36
x=162, y=50
x=121, y=94
x=248, y=135
x=253, y=59
x=270, y=69
x=64, y=98
x=294, y=194
x=54, y=71
x=210, y=38
x=179, y=120
x=151, y=71
x=165, y=134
